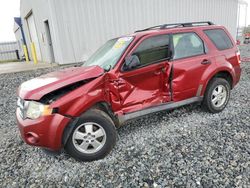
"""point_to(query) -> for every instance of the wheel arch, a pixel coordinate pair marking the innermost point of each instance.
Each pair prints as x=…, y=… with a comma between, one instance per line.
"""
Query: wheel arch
x=101, y=105
x=106, y=107
x=226, y=74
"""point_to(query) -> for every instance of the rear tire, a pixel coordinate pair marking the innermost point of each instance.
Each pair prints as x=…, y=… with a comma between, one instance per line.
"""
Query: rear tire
x=93, y=137
x=217, y=95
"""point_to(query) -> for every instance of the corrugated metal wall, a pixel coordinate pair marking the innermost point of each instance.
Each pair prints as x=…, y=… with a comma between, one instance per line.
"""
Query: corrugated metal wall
x=79, y=27
x=41, y=12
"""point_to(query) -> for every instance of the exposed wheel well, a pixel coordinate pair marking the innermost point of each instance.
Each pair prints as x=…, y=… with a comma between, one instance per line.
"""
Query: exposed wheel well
x=226, y=75
x=105, y=107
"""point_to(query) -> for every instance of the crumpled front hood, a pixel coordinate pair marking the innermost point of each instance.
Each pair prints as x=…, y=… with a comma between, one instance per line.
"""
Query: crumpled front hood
x=36, y=88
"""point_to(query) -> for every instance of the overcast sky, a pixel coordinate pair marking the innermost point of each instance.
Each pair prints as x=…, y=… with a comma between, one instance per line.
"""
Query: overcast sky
x=11, y=8
x=8, y=10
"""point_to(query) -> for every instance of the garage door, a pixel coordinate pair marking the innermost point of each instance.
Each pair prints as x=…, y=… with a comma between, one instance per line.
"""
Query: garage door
x=33, y=35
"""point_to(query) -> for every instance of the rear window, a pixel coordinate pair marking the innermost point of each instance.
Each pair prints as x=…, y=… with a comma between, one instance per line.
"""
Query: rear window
x=219, y=38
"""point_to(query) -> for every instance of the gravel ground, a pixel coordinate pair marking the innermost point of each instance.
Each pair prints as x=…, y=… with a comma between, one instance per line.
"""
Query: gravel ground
x=182, y=148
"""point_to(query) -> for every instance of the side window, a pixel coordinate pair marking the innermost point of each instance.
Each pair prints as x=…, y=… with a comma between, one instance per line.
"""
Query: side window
x=187, y=45
x=219, y=38
x=153, y=49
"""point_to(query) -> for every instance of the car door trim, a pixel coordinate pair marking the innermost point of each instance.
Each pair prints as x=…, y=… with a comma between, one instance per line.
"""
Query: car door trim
x=167, y=106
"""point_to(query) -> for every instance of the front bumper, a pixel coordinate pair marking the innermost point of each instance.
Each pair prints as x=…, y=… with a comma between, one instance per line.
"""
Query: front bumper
x=46, y=131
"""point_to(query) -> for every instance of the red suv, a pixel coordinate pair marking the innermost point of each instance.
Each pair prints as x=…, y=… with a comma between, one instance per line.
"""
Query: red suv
x=151, y=70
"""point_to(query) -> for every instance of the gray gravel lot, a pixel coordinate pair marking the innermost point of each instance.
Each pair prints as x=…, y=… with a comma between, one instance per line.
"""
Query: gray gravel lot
x=182, y=148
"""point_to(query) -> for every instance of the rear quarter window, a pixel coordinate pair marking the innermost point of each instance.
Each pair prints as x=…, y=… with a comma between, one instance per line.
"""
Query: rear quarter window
x=219, y=38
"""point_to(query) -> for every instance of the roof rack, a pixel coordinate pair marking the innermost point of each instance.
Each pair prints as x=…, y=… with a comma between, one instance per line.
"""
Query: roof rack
x=174, y=25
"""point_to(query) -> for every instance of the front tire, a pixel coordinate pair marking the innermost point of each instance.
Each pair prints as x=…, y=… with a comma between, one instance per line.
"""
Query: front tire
x=217, y=95
x=93, y=137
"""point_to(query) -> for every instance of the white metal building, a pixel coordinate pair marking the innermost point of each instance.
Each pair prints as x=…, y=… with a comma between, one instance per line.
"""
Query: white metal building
x=68, y=31
x=242, y=17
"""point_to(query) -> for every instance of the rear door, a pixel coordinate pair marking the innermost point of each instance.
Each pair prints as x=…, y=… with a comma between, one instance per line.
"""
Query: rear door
x=147, y=84
x=190, y=61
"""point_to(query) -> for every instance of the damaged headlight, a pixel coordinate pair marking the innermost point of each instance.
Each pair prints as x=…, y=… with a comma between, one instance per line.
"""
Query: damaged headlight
x=33, y=110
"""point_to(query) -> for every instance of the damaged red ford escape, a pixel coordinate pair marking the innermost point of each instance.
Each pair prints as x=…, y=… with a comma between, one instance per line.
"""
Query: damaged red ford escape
x=158, y=68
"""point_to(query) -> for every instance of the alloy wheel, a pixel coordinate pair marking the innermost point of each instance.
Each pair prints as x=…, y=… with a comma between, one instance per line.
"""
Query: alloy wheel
x=219, y=96
x=89, y=138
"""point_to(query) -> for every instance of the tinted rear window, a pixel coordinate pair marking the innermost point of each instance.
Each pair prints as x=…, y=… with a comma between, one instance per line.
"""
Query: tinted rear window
x=219, y=38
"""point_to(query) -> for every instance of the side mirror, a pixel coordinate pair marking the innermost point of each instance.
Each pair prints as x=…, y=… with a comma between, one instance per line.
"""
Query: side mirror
x=131, y=62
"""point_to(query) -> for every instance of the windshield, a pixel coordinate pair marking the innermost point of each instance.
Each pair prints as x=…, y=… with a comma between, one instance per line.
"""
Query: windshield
x=108, y=55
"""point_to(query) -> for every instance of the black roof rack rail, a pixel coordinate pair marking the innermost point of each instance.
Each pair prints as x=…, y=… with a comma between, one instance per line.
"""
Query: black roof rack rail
x=173, y=25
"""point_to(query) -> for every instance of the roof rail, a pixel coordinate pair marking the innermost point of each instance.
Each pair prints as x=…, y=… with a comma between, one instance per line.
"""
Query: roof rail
x=173, y=25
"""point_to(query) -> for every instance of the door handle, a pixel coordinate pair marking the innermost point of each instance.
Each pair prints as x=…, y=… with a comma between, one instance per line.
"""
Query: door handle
x=157, y=72
x=205, y=62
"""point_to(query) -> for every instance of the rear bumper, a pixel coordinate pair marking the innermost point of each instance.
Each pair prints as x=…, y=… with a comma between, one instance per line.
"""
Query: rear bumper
x=46, y=131
x=237, y=75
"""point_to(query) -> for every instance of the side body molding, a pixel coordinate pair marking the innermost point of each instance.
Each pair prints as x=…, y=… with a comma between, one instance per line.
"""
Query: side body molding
x=167, y=106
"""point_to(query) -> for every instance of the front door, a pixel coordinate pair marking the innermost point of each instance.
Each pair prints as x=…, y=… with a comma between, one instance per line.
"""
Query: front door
x=146, y=84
